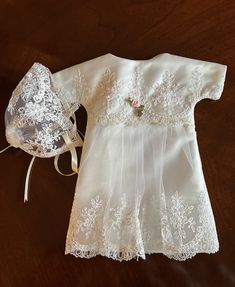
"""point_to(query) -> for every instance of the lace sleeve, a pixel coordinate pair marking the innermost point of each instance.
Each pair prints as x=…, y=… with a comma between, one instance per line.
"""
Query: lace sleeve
x=207, y=81
x=64, y=83
x=38, y=114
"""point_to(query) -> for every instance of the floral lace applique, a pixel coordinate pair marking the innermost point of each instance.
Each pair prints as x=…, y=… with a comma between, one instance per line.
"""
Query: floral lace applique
x=117, y=216
x=196, y=90
x=88, y=215
x=113, y=233
x=167, y=94
x=166, y=102
x=177, y=220
x=180, y=218
x=109, y=234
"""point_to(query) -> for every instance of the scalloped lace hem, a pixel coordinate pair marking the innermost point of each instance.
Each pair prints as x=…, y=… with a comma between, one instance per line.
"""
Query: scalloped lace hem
x=127, y=255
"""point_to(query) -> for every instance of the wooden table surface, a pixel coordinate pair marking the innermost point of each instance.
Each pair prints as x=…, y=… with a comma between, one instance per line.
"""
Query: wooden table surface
x=60, y=34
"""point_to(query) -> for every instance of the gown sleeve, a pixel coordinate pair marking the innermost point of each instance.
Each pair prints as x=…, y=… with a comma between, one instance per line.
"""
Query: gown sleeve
x=207, y=81
x=39, y=112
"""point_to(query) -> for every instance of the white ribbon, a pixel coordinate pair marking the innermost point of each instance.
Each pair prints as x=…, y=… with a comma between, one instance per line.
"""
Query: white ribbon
x=5, y=149
x=26, y=188
x=72, y=148
x=74, y=159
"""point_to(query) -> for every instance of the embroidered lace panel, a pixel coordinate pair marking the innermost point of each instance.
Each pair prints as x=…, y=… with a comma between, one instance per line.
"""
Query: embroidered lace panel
x=166, y=102
x=98, y=231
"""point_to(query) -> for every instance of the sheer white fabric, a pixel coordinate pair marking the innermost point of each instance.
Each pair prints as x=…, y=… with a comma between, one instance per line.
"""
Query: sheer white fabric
x=141, y=188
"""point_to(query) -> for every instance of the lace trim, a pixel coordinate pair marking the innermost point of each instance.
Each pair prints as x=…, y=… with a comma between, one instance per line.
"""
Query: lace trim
x=84, y=251
x=170, y=121
x=102, y=231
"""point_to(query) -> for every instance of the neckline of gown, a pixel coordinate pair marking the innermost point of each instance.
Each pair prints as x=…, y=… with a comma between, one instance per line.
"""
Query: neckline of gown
x=118, y=58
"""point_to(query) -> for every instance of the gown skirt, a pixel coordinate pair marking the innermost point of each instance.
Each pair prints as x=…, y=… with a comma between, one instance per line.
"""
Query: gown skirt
x=141, y=190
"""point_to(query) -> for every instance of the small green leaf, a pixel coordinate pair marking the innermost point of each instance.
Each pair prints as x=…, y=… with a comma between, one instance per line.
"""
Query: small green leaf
x=139, y=113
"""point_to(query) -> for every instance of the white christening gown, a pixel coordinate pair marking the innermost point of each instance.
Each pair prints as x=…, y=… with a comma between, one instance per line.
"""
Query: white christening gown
x=140, y=186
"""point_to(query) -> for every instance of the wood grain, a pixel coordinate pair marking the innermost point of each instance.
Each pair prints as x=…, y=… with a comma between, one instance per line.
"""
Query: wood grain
x=64, y=33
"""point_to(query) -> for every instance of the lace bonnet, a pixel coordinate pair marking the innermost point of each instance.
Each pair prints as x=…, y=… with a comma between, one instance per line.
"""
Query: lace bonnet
x=40, y=118
x=38, y=115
